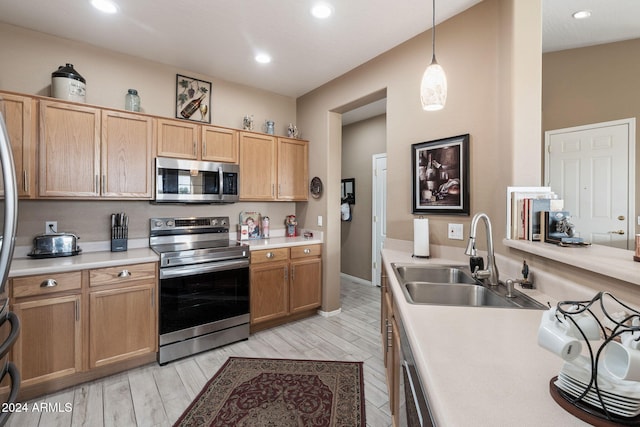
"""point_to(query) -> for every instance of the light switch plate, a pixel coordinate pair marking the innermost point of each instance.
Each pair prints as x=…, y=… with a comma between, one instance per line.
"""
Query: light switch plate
x=319, y=221
x=455, y=231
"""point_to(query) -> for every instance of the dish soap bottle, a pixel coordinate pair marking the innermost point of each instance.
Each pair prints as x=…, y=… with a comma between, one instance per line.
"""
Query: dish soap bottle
x=132, y=100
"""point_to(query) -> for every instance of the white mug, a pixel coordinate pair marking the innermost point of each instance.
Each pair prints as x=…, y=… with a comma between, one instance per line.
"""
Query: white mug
x=556, y=337
x=587, y=324
x=622, y=362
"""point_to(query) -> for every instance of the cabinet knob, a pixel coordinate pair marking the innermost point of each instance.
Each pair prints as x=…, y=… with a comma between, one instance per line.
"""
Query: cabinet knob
x=270, y=255
x=49, y=283
x=307, y=251
x=124, y=273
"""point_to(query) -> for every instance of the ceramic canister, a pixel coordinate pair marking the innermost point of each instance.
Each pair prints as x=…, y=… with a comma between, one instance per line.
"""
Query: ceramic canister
x=68, y=84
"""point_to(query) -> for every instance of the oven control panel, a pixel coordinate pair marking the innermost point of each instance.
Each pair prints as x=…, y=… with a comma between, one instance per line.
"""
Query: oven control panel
x=189, y=224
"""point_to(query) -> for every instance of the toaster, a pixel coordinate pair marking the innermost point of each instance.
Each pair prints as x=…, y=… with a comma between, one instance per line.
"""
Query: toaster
x=55, y=245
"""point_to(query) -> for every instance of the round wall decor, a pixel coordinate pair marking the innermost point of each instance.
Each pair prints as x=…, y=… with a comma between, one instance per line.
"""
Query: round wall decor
x=315, y=187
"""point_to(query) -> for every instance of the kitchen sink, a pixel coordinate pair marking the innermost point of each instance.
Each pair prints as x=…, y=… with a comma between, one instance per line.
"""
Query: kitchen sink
x=453, y=294
x=453, y=285
x=433, y=274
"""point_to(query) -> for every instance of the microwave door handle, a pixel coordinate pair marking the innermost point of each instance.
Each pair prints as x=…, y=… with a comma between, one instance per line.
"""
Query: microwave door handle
x=221, y=178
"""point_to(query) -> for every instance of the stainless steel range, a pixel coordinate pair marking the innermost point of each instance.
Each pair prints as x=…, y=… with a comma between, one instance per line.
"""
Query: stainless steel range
x=204, y=285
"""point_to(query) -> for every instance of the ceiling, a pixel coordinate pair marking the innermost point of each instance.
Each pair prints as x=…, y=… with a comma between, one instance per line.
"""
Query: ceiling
x=221, y=38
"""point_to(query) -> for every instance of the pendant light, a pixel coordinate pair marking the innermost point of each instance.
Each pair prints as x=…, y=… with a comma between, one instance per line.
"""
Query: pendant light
x=433, y=89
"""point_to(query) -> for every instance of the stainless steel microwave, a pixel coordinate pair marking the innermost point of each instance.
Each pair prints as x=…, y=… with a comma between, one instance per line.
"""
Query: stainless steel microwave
x=190, y=181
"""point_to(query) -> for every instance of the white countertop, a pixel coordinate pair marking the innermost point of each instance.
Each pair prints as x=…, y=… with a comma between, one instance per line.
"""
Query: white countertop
x=481, y=366
x=279, y=242
x=99, y=258
x=85, y=260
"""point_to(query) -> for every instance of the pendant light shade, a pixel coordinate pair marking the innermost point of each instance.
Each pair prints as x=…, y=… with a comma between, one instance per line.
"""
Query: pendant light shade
x=433, y=88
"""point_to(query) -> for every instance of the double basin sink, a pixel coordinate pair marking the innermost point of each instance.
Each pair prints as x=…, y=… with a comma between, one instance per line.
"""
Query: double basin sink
x=453, y=285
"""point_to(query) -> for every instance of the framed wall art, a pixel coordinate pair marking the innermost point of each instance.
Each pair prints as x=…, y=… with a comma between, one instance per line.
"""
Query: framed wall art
x=441, y=176
x=193, y=99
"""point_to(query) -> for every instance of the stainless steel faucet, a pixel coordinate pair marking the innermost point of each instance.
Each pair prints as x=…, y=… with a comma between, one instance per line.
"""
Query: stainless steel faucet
x=491, y=272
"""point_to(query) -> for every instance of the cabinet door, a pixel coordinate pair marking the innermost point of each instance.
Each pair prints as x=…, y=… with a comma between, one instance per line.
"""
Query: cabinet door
x=306, y=284
x=20, y=117
x=69, y=146
x=258, y=166
x=269, y=297
x=178, y=139
x=219, y=144
x=127, y=156
x=293, y=175
x=49, y=344
x=121, y=324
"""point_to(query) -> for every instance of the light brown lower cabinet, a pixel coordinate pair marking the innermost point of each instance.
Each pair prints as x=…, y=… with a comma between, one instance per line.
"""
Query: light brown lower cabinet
x=49, y=346
x=391, y=349
x=286, y=284
x=82, y=325
x=121, y=324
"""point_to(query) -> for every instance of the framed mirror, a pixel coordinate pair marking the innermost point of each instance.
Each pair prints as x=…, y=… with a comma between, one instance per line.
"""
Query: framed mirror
x=348, y=194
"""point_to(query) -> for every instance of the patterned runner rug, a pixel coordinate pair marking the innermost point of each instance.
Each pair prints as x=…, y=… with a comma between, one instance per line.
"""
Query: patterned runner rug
x=251, y=392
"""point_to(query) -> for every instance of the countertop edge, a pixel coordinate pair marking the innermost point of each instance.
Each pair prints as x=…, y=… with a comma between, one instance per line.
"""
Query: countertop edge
x=100, y=259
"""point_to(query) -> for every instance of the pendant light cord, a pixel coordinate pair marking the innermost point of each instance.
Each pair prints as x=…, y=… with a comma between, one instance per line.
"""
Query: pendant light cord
x=433, y=34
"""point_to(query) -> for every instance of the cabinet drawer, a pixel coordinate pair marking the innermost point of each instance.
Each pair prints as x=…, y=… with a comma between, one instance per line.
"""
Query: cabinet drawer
x=45, y=284
x=269, y=255
x=122, y=274
x=306, y=251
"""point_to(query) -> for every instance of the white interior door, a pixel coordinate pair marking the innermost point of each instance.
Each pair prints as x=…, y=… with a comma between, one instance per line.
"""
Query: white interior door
x=379, y=214
x=590, y=168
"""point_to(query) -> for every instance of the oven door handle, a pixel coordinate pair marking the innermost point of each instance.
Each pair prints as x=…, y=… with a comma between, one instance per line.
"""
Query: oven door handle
x=191, y=270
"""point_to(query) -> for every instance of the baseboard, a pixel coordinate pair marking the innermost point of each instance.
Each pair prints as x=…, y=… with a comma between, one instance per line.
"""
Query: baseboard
x=330, y=313
x=355, y=279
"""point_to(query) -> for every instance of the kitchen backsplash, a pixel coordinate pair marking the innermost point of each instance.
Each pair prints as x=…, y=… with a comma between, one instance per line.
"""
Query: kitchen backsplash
x=91, y=219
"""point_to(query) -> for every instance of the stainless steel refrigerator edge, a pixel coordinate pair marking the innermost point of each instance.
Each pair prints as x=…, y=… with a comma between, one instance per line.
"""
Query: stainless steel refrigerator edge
x=6, y=254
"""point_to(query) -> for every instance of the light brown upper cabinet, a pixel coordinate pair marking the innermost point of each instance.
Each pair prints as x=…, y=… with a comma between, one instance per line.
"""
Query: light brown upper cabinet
x=293, y=169
x=69, y=150
x=87, y=152
x=127, y=155
x=187, y=140
x=273, y=168
x=20, y=117
x=257, y=166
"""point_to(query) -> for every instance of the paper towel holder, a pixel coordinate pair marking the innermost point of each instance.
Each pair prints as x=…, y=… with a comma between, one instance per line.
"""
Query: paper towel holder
x=420, y=242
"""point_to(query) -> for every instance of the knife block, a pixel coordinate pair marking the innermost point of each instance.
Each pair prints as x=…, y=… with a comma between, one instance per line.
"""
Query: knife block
x=119, y=238
x=119, y=245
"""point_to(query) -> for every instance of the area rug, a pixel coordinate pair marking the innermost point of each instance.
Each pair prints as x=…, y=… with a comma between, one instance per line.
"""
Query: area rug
x=252, y=392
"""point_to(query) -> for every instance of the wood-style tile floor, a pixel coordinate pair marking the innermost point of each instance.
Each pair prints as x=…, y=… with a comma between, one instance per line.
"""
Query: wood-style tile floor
x=155, y=395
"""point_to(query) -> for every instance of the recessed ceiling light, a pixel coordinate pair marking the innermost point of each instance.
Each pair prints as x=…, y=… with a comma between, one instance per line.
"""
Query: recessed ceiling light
x=263, y=58
x=582, y=14
x=105, y=6
x=322, y=10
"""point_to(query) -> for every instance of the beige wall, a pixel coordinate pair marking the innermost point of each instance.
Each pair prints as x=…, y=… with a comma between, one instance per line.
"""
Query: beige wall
x=29, y=60
x=591, y=85
x=30, y=57
x=360, y=141
x=476, y=49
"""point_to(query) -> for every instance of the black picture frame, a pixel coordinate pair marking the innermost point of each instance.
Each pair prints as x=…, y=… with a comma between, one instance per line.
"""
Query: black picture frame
x=440, y=183
x=348, y=191
x=189, y=89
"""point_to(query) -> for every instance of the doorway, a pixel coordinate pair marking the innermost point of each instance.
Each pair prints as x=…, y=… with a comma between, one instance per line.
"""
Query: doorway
x=361, y=140
x=592, y=168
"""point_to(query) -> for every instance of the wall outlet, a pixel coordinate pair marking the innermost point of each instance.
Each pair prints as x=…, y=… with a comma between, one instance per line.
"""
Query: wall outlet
x=455, y=231
x=50, y=227
x=319, y=220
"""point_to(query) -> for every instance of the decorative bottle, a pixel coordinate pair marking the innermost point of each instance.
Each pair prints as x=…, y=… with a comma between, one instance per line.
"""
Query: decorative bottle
x=132, y=100
x=191, y=107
